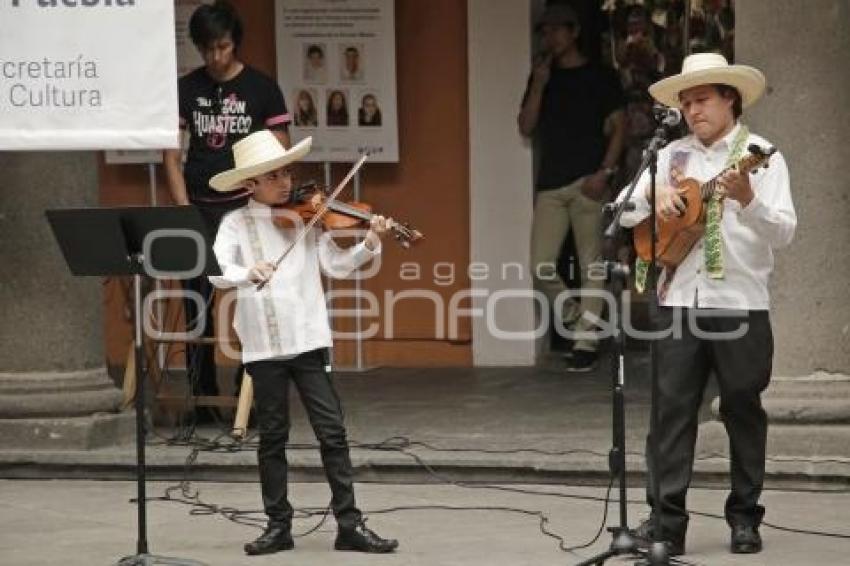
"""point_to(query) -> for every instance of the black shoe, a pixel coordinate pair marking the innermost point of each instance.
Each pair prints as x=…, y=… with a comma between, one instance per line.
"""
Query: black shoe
x=582, y=361
x=745, y=540
x=274, y=539
x=644, y=537
x=361, y=539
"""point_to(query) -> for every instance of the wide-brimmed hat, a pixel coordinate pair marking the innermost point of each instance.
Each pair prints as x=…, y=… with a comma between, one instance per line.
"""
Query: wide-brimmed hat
x=710, y=68
x=256, y=154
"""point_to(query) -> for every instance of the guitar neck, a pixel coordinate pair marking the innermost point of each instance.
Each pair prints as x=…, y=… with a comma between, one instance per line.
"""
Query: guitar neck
x=744, y=166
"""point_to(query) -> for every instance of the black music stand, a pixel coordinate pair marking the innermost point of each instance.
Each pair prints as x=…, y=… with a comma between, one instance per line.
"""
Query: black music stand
x=161, y=242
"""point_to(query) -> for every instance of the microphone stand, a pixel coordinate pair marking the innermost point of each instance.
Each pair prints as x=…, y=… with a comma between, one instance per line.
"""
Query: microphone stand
x=657, y=555
x=624, y=541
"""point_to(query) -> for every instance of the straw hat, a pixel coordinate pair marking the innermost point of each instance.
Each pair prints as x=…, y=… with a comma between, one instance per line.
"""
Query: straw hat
x=256, y=154
x=709, y=68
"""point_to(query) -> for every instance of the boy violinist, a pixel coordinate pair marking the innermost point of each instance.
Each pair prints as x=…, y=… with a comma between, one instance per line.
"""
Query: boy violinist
x=284, y=331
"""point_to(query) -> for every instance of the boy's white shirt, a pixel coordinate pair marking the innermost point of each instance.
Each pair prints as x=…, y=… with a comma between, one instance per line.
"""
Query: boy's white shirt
x=289, y=315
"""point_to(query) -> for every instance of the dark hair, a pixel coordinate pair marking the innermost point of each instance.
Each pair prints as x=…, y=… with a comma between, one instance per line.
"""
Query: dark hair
x=727, y=91
x=315, y=49
x=211, y=22
x=353, y=50
x=337, y=117
x=361, y=112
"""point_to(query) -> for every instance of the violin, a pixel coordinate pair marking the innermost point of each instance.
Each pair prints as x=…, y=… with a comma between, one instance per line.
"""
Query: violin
x=308, y=199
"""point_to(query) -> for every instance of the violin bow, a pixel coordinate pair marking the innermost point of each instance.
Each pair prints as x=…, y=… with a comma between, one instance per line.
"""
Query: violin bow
x=316, y=217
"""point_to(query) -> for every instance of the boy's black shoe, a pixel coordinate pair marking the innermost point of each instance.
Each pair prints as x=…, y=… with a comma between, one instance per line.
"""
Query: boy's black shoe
x=361, y=539
x=274, y=539
x=745, y=540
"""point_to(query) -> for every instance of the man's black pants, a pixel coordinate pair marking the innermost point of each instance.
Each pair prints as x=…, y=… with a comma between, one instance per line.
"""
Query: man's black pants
x=742, y=366
x=271, y=401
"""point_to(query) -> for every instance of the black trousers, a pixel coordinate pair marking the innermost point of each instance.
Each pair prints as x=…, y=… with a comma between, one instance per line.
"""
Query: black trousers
x=742, y=366
x=271, y=401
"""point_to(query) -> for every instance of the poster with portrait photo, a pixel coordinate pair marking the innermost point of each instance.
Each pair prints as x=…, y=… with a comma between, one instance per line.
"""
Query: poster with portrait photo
x=352, y=62
x=351, y=77
x=305, y=107
x=315, y=63
x=369, y=113
x=337, y=108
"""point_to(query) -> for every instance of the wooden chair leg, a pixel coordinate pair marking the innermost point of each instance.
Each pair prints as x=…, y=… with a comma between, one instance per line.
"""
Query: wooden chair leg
x=129, y=386
x=243, y=408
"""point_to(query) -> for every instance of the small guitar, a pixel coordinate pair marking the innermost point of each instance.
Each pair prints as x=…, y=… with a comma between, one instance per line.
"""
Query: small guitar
x=675, y=237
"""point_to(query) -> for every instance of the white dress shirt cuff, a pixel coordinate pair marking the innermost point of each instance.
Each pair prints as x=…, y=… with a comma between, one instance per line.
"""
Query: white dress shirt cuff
x=755, y=209
x=232, y=276
x=362, y=253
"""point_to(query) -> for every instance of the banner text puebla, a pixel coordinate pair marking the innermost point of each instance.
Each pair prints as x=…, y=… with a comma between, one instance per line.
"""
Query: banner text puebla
x=87, y=74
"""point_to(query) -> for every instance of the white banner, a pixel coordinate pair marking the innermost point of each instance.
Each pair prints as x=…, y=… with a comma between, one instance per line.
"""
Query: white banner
x=336, y=67
x=87, y=74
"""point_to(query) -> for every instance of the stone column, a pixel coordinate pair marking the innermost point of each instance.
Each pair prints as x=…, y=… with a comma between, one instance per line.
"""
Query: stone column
x=802, y=48
x=54, y=389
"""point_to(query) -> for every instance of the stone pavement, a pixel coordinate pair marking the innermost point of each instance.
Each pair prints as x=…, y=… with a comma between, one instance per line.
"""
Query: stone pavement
x=90, y=523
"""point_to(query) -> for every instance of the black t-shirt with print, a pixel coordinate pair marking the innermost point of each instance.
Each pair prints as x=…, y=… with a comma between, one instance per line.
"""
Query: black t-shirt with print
x=571, y=142
x=217, y=115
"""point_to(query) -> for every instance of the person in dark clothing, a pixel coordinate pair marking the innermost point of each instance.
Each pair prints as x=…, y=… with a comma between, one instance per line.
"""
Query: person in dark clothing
x=219, y=103
x=574, y=110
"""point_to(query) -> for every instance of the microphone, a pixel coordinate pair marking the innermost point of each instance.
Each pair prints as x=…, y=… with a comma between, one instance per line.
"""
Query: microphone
x=667, y=116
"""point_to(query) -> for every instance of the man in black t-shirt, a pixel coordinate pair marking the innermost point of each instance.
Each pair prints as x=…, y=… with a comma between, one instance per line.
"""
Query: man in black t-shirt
x=220, y=103
x=574, y=110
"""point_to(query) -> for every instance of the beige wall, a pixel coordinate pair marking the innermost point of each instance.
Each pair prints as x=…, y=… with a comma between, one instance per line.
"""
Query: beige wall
x=500, y=183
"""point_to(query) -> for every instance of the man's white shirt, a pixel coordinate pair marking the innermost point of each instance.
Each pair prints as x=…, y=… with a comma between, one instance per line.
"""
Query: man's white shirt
x=749, y=234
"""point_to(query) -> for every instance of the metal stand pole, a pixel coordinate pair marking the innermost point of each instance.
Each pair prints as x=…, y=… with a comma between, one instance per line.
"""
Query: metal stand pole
x=160, y=314
x=142, y=558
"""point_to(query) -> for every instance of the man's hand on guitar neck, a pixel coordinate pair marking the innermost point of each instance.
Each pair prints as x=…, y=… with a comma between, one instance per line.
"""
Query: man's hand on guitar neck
x=736, y=186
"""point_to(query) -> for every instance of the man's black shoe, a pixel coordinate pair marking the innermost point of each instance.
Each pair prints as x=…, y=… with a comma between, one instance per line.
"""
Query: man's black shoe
x=644, y=538
x=581, y=361
x=745, y=540
x=361, y=539
x=274, y=539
